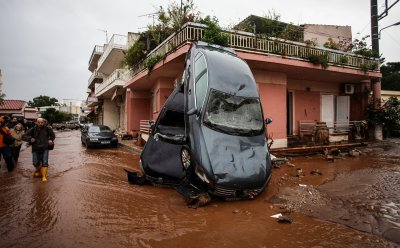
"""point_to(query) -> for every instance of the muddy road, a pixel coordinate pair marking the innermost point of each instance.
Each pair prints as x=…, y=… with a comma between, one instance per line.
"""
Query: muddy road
x=88, y=202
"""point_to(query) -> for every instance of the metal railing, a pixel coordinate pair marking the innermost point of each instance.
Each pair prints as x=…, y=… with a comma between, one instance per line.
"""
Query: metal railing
x=248, y=42
x=117, y=41
x=119, y=74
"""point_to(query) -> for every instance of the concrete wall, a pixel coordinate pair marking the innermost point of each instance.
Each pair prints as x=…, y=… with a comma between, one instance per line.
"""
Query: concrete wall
x=272, y=90
x=110, y=114
x=137, y=107
x=321, y=33
x=160, y=93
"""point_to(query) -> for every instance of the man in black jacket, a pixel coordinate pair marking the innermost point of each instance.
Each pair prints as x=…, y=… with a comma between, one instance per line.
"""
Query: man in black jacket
x=40, y=137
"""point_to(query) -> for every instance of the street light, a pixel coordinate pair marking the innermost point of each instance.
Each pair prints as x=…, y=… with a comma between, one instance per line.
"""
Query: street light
x=394, y=24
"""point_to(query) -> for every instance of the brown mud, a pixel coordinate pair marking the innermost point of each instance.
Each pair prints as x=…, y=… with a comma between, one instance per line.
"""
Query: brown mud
x=88, y=202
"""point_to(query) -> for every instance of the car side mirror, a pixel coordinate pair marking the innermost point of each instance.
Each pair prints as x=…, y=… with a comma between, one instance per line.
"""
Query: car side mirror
x=151, y=124
x=193, y=111
x=268, y=121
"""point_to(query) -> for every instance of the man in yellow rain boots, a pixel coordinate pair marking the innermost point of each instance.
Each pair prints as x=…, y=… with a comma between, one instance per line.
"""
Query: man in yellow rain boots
x=40, y=137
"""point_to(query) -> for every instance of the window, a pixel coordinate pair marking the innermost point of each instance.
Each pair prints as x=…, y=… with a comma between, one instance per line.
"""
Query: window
x=234, y=114
x=201, y=79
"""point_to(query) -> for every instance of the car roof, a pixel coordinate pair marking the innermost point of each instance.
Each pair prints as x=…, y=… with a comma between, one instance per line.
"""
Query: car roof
x=227, y=72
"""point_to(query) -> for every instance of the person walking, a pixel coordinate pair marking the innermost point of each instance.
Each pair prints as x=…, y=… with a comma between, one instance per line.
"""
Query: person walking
x=13, y=121
x=40, y=137
x=17, y=132
x=5, y=148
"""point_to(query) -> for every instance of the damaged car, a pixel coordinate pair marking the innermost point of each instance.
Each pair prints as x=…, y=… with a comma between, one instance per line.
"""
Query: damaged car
x=209, y=138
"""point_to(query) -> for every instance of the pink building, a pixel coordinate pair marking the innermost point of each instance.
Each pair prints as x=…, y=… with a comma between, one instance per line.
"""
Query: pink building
x=292, y=89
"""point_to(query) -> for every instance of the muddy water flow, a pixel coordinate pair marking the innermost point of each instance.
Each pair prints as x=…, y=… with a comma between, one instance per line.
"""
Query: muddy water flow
x=87, y=202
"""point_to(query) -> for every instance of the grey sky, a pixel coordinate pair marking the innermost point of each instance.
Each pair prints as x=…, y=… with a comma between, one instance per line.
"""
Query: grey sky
x=45, y=45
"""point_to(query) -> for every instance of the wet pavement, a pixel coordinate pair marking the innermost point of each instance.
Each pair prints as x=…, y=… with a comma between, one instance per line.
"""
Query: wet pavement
x=88, y=202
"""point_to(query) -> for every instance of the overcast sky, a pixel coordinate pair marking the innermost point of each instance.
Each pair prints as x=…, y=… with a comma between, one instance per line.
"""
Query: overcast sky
x=45, y=45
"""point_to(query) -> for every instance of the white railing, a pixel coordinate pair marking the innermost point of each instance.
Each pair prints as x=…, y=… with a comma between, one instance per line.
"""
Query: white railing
x=121, y=75
x=117, y=41
x=248, y=42
x=95, y=75
x=96, y=50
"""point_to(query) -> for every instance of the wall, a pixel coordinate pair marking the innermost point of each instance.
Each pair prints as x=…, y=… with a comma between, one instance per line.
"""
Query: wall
x=110, y=114
x=137, y=107
x=322, y=32
x=160, y=93
x=272, y=90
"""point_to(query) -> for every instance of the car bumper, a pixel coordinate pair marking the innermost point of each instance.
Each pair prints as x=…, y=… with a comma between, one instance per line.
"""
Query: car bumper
x=102, y=143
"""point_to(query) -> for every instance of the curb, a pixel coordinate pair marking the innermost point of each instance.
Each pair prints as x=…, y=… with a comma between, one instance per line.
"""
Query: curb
x=134, y=149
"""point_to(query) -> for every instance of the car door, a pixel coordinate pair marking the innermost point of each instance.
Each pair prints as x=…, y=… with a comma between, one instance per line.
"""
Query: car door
x=161, y=154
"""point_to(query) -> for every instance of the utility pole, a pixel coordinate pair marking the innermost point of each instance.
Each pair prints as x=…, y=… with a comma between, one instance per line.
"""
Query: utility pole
x=374, y=26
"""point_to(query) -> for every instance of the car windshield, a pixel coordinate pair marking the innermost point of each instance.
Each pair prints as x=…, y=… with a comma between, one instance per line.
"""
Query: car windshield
x=99, y=129
x=234, y=114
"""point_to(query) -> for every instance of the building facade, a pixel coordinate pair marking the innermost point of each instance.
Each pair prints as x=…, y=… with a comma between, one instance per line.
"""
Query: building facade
x=292, y=87
x=106, y=95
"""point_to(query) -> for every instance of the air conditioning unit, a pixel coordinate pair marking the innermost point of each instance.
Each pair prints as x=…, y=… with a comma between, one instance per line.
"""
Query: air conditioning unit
x=349, y=89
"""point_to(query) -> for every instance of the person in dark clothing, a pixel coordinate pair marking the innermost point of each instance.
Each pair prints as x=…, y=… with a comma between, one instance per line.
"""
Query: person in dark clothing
x=12, y=123
x=6, y=150
x=40, y=137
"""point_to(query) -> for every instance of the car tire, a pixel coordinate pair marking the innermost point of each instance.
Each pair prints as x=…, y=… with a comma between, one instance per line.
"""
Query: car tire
x=186, y=158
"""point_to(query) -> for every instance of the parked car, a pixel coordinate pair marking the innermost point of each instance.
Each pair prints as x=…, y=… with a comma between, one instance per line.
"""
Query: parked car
x=210, y=135
x=65, y=125
x=98, y=135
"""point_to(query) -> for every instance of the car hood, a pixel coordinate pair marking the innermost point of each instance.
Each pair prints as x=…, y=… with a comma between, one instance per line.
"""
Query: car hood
x=237, y=161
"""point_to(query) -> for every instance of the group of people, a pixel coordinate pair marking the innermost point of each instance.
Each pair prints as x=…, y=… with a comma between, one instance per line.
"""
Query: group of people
x=40, y=137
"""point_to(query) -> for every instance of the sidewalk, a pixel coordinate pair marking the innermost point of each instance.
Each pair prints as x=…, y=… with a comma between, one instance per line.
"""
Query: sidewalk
x=130, y=145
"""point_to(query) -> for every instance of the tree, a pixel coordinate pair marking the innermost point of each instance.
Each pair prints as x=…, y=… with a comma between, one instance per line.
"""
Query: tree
x=169, y=20
x=213, y=32
x=54, y=116
x=2, y=96
x=391, y=76
x=387, y=115
x=41, y=101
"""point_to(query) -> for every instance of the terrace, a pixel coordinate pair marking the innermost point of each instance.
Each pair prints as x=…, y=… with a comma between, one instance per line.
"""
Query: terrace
x=250, y=43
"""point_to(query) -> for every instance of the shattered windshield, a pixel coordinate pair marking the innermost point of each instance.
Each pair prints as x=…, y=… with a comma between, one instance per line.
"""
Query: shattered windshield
x=234, y=114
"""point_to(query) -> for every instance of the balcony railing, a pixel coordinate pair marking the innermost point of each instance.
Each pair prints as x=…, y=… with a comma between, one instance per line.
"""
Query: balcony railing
x=248, y=42
x=117, y=41
x=97, y=50
x=120, y=74
x=95, y=75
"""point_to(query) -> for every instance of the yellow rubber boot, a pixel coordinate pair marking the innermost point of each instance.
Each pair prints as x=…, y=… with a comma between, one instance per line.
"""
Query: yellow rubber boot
x=44, y=173
x=37, y=173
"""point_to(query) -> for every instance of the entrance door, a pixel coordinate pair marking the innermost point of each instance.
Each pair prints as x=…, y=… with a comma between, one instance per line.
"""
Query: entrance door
x=343, y=108
x=328, y=109
x=343, y=111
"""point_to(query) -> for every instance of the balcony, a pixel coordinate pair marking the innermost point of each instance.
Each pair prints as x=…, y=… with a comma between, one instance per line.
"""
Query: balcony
x=113, y=54
x=249, y=43
x=95, y=78
x=96, y=54
x=117, y=79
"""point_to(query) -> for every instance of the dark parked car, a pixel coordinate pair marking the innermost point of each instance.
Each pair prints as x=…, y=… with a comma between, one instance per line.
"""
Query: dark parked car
x=98, y=135
x=210, y=135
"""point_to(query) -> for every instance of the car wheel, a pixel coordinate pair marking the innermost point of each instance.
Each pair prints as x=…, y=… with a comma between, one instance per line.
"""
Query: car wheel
x=186, y=158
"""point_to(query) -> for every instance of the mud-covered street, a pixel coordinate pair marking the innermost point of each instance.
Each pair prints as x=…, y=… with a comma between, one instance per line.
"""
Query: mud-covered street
x=88, y=202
